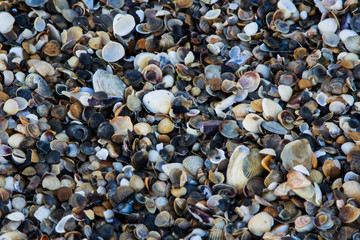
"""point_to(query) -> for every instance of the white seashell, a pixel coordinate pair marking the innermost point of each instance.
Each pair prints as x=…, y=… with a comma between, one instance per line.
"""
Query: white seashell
x=263, y=70
x=158, y=101
x=251, y=29
x=39, y=24
x=328, y=25
x=252, y=123
x=42, y=213
x=141, y=60
x=168, y=167
x=321, y=99
x=212, y=14
x=60, y=227
x=189, y=58
x=260, y=223
x=7, y=22
x=168, y=80
x=346, y=147
x=344, y=34
x=270, y=109
x=113, y=51
x=109, y=83
x=348, y=98
x=302, y=169
x=123, y=24
x=102, y=154
x=337, y=107
x=268, y=151
x=11, y=107
x=288, y=6
x=303, y=15
x=16, y=216
x=285, y=92
x=214, y=49
x=352, y=44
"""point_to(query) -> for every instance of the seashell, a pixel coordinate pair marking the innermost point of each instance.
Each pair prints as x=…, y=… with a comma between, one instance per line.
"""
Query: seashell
x=304, y=223
x=274, y=127
x=352, y=44
x=229, y=129
x=323, y=221
x=154, y=24
x=295, y=153
x=217, y=231
x=285, y=92
x=243, y=165
x=7, y=22
x=123, y=24
x=163, y=219
x=184, y=3
x=122, y=125
x=165, y=126
x=260, y=223
x=16, y=216
x=11, y=107
x=15, y=139
x=250, y=81
x=271, y=109
x=142, y=128
x=42, y=67
x=192, y=164
x=113, y=51
x=330, y=39
x=328, y=25
x=345, y=33
x=51, y=183
x=152, y=73
x=296, y=179
x=349, y=213
x=251, y=29
x=141, y=60
x=351, y=190
x=111, y=84
x=212, y=14
x=252, y=123
x=331, y=168
x=158, y=101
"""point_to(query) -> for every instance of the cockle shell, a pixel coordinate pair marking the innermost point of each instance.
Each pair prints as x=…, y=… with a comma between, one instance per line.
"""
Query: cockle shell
x=243, y=165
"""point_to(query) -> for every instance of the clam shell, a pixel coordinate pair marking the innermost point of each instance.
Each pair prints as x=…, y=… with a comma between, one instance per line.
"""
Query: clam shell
x=192, y=164
x=158, y=101
x=123, y=24
x=250, y=81
x=243, y=164
x=328, y=25
x=109, y=83
x=113, y=51
x=271, y=109
x=252, y=123
x=295, y=153
x=260, y=223
x=7, y=22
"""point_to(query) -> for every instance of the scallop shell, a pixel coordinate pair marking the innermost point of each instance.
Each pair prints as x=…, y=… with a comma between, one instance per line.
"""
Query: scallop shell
x=243, y=165
x=109, y=83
